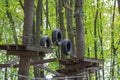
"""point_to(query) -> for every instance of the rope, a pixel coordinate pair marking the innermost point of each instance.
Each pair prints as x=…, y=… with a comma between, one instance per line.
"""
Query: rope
x=30, y=77
x=81, y=75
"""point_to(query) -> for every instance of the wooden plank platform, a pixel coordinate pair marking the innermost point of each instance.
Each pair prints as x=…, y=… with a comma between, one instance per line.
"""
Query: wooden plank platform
x=25, y=50
x=73, y=61
x=74, y=65
x=75, y=69
x=12, y=47
x=86, y=71
x=12, y=63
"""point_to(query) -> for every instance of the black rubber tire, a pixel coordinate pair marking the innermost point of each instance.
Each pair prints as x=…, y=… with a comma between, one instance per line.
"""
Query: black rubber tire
x=57, y=37
x=45, y=41
x=66, y=47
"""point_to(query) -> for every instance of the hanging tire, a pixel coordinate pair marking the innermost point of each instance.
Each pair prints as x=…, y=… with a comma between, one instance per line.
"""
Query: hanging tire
x=45, y=41
x=66, y=46
x=57, y=37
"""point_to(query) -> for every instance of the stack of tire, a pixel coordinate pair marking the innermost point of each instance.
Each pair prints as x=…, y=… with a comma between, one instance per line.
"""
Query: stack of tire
x=57, y=39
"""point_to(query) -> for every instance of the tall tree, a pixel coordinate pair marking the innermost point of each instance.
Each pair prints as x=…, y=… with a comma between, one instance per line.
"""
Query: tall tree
x=118, y=5
x=101, y=43
x=80, y=44
x=69, y=12
x=47, y=14
x=37, y=31
x=113, y=50
x=95, y=34
x=61, y=21
x=27, y=36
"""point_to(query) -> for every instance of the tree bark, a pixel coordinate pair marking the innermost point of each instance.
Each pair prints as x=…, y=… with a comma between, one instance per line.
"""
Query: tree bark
x=27, y=37
x=119, y=5
x=101, y=44
x=61, y=17
x=47, y=14
x=113, y=50
x=95, y=35
x=70, y=24
x=37, y=72
x=80, y=44
x=28, y=21
x=61, y=22
x=56, y=3
x=24, y=67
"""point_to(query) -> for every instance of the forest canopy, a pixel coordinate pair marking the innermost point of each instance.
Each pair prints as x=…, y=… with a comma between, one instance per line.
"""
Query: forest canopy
x=101, y=21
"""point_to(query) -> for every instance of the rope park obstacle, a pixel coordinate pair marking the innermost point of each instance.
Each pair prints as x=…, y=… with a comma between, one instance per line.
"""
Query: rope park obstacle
x=72, y=66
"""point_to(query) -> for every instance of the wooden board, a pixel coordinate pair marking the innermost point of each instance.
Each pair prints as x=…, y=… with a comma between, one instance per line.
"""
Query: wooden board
x=39, y=49
x=26, y=50
x=73, y=61
x=13, y=63
x=12, y=47
x=74, y=72
x=75, y=69
x=74, y=65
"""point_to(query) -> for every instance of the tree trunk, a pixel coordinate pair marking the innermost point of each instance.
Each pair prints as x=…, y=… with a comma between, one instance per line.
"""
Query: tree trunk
x=101, y=44
x=119, y=5
x=61, y=22
x=47, y=14
x=113, y=51
x=37, y=72
x=28, y=21
x=61, y=17
x=56, y=3
x=69, y=23
x=24, y=68
x=80, y=44
x=95, y=35
x=27, y=37
x=36, y=34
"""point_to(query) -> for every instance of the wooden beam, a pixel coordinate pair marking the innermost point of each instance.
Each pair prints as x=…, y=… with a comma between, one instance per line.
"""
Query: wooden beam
x=24, y=53
x=93, y=60
x=73, y=61
x=4, y=65
x=26, y=48
x=39, y=49
x=44, y=61
x=11, y=63
x=73, y=69
x=39, y=62
x=49, y=70
x=12, y=47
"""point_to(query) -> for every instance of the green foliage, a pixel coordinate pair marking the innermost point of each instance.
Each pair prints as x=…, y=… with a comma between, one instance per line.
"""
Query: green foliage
x=104, y=21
